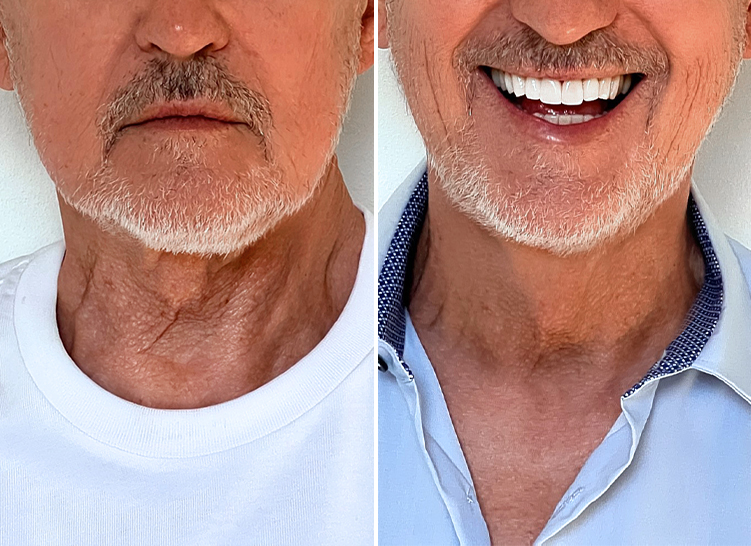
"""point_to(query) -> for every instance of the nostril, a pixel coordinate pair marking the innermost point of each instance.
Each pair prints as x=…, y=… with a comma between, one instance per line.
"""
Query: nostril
x=182, y=34
x=564, y=22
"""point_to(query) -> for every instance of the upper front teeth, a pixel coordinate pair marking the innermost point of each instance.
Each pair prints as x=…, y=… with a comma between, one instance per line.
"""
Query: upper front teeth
x=570, y=92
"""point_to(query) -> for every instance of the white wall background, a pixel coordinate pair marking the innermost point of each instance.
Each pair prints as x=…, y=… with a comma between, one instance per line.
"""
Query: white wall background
x=29, y=217
x=723, y=169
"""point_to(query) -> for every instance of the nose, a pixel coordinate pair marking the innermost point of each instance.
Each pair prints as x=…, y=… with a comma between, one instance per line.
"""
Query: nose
x=182, y=28
x=563, y=22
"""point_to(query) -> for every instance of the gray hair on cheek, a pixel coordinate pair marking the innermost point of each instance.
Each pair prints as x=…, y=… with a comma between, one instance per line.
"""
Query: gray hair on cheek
x=6, y=41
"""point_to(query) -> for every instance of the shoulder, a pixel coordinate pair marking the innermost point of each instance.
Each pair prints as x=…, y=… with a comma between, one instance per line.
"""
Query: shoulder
x=11, y=271
x=743, y=255
x=32, y=272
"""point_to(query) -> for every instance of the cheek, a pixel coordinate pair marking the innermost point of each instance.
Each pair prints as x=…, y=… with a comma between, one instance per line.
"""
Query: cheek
x=426, y=36
x=703, y=45
x=431, y=84
x=61, y=86
x=306, y=82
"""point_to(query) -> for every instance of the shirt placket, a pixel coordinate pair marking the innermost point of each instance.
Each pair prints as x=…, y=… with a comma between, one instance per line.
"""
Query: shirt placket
x=605, y=465
x=455, y=489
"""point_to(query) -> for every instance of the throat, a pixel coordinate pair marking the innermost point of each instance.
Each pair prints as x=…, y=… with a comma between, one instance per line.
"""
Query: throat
x=173, y=331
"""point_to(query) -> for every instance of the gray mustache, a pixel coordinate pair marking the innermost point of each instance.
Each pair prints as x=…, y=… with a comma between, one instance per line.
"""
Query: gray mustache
x=524, y=48
x=167, y=81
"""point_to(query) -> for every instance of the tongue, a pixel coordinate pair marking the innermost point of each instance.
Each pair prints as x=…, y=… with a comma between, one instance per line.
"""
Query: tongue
x=593, y=108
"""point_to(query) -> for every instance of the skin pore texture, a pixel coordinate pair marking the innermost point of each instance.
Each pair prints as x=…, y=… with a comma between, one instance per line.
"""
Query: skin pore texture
x=556, y=263
x=210, y=240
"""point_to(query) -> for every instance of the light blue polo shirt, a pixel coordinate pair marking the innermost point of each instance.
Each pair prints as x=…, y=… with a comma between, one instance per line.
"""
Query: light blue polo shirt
x=675, y=467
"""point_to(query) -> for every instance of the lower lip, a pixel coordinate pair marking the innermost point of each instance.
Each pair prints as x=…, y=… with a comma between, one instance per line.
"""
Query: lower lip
x=558, y=133
x=185, y=123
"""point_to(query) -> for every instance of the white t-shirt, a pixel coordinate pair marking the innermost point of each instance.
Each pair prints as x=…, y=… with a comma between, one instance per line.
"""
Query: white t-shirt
x=289, y=463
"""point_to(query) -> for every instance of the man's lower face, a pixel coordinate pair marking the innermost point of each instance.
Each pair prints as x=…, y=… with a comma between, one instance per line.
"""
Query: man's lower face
x=185, y=183
x=180, y=181
x=193, y=131
x=561, y=147
x=180, y=185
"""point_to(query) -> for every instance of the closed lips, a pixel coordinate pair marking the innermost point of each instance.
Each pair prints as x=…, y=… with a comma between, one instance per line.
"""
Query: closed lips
x=187, y=110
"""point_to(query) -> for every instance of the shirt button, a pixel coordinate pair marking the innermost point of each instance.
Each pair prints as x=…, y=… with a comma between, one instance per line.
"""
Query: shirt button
x=382, y=364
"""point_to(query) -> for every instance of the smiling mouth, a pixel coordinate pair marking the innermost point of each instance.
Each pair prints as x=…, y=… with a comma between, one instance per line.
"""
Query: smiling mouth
x=570, y=102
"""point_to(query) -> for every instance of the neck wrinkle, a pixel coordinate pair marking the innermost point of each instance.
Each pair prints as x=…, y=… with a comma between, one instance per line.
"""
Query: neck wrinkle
x=498, y=305
x=179, y=331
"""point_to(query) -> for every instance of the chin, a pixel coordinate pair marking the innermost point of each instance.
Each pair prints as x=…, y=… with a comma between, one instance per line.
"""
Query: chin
x=193, y=211
x=214, y=237
x=552, y=209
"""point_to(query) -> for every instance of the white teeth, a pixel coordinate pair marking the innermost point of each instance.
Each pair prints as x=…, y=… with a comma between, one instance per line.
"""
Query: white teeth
x=604, y=89
x=591, y=89
x=498, y=79
x=509, y=83
x=572, y=92
x=533, y=88
x=626, y=84
x=615, y=86
x=566, y=119
x=550, y=91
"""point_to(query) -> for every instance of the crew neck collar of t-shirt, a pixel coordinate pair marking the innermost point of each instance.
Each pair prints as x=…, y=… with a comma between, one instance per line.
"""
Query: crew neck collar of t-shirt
x=163, y=433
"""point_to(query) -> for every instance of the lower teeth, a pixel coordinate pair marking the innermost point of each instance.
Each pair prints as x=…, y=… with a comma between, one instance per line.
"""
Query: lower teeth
x=564, y=119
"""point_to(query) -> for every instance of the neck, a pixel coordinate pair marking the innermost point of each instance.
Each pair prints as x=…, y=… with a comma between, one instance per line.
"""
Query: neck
x=517, y=311
x=183, y=331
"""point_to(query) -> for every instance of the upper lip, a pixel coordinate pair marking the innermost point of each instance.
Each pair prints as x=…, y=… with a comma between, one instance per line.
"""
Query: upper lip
x=202, y=108
x=563, y=76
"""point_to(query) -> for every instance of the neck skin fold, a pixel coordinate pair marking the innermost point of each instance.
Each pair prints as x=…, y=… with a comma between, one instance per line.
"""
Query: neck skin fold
x=181, y=331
